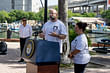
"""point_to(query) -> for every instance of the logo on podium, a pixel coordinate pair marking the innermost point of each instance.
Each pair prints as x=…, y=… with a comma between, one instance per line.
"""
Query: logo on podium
x=29, y=49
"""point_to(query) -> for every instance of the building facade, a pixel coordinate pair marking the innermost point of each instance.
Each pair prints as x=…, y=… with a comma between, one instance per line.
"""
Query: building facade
x=25, y=5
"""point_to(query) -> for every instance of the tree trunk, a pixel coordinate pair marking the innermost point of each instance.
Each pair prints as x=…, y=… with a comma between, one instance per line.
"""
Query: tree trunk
x=63, y=16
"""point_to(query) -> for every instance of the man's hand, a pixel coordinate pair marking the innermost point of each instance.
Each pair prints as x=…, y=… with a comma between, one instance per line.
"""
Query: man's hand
x=41, y=35
x=54, y=34
x=60, y=36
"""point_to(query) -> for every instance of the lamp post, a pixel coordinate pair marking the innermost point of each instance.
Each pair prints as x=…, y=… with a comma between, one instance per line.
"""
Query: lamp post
x=88, y=6
x=45, y=11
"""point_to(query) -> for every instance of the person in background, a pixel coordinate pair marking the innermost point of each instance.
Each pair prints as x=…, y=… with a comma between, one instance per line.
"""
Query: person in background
x=54, y=30
x=25, y=32
x=9, y=33
x=79, y=49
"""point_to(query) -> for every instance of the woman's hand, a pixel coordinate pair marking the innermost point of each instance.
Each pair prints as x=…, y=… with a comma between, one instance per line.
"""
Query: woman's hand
x=70, y=56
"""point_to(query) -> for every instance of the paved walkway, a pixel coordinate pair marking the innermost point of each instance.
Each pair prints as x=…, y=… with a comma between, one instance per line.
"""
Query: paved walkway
x=9, y=64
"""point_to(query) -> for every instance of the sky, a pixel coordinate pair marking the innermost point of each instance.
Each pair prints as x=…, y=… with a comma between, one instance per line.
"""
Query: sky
x=51, y=2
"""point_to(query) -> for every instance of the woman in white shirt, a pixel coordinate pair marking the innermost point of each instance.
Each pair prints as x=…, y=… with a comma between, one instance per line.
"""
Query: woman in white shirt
x=79, y=49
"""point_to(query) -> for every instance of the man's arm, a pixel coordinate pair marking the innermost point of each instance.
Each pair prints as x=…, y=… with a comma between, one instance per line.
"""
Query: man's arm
x=61, y=36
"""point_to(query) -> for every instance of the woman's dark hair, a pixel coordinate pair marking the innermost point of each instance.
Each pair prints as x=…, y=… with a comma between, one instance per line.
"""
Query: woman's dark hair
x=24, y=18
x=82, y=25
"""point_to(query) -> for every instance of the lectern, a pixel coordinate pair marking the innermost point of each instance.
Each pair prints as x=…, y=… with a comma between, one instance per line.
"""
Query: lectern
x=41, y=56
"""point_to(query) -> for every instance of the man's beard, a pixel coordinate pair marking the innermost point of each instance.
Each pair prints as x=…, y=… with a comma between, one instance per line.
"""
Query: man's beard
x=52, y=17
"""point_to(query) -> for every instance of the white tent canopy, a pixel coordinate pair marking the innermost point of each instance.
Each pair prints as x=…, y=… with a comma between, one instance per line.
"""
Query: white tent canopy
x=89, y=19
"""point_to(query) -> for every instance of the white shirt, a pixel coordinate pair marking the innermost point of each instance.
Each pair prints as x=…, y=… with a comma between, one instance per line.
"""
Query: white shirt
x=25, y=31
x=81, y=43
x=57, y=27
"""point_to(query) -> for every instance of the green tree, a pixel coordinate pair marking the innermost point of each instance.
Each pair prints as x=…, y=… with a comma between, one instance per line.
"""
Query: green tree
x=32, y=15
x=77, y=15
x=106, y=14
x=12, y=17
x=20, y=14
x=40, y=15
x=101, y=11
x=70, y=14
x=16, y=15
x=91, y=14
x=3, y=16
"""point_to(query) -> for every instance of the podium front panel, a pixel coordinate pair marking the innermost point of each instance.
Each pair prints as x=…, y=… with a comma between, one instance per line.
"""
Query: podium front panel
x=47, y=51
x=41, y=51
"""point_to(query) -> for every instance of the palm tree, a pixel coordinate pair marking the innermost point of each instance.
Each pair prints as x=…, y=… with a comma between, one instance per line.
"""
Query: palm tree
x=63, y=16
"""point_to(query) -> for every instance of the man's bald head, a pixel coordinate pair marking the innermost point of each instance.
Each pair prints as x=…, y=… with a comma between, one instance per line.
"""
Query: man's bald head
x=53, y=11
